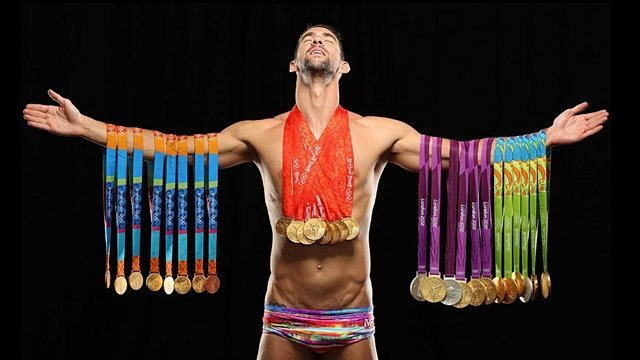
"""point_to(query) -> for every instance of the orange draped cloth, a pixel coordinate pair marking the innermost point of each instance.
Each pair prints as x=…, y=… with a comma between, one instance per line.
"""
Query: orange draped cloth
x=317, y=175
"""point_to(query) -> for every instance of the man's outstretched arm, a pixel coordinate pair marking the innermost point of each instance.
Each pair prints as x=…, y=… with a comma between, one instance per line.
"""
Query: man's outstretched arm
x=569, y=127
x=65, y=119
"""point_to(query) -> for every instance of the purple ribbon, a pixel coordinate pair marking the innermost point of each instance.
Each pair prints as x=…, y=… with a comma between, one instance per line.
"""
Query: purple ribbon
x=423, y=183
x=452, y=197
x=463, y=192
x=436, y=177
x=474, y=199
x=485, y=206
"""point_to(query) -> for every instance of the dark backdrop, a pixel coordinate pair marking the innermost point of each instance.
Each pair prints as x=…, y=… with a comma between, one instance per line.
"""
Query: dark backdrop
x=457, y=71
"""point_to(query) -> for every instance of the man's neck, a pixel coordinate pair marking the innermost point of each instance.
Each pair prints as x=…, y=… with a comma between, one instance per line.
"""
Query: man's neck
x=317, y=102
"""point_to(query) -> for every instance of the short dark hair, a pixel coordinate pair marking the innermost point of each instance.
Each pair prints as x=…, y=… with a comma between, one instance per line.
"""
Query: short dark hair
x=328, y=27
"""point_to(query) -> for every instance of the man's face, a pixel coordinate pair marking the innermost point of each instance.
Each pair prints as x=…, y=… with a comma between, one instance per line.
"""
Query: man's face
x=318, y=53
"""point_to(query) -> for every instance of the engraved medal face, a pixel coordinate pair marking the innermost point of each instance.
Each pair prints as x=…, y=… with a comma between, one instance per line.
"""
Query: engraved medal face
x=545, y=284
x=212, y=284
x=281, y=226
x=490, y=288
x=168, y=285
x=465, y=299
x=519, y=280
x=528, y=289
x=511, y=291
x=433, y=289
x=454, y=292
x=107, y=278
x=182, y=285
x=292, y=230
x=344, y=230
x=414, y=288
x=120, y=285
x=534, y=290
x=353, y=226
x=501, y=289
x=198, y=283
x=135, y=280
x=336, y=233
x=314, y=229
x=328, y=235
x=154, y=281
x=478, y=292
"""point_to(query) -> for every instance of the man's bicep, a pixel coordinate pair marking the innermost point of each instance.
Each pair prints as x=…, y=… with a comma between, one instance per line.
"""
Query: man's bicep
x=233, y=149
x=405, y=151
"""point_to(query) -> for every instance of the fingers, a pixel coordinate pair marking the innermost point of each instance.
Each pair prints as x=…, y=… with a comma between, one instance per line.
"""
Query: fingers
x=35, y=119
x=56, y=97
x=36, y=113
x=38, y=107
x=38, y=125
x=593, y=131
x=600, y=118
x=580, y=108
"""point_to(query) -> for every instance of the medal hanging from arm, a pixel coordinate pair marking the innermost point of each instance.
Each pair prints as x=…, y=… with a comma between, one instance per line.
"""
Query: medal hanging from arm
x=498, y=214
x=182, y=283
x=511, y=288
x=156, y=178
x=461, y=227
x=109, y=170
x=516, y=275
x=199, y=201
x=135, y=277
x=170, y=189
x=423, y=183
x=533, y=210
x=486, y=174
x=454, y=290
x=524, y=217
x=120, y=283
x=212, y=283
x=543, y=198
x=478, y=291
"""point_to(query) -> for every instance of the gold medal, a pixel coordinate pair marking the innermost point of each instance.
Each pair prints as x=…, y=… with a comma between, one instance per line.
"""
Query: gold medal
x=198, y=283
x=314, y=229
x=135, y=280
x=344, y=230
x=120, y=285
x=511, y=291
x=415, y=286
x=519, y=280
x=212, y=284
x=478, y=292
x=433, y=289
x=528, y=288
x=292, y=230
x=465, y=299
x=328, y=235
x=501, y=289
x=490, y=289
x=534, y=287
x=301, y=238
x=107, y=278
x=545, y=284
x=182, y=284
x=154, y=281
x=168, y=285
x=336, y=233
x=281, y=226
x=353, y=226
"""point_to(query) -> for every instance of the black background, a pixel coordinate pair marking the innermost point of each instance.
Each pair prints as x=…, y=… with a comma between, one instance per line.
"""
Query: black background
x=457, y=71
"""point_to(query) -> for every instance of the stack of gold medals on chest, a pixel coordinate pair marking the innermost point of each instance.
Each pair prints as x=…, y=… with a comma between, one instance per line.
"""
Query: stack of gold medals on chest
x=496, y=223
x=315, y=230
x=168, y=198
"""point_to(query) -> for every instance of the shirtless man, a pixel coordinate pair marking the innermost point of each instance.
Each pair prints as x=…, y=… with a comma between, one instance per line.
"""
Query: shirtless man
x=313, y=279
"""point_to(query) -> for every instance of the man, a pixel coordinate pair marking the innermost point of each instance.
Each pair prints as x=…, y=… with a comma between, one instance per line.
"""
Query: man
x=315, y=284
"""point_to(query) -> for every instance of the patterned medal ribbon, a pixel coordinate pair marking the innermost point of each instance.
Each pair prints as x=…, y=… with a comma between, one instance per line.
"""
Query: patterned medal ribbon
x=433, y=288
x=533, y=210
x=120, y=283
x=199, y=201
x=516, y=275
x=170, y=202
x=454, y=290
x=182, y=283
x=109, y=170
x=135, y=277
x=478, y=291
x=511, y=289
x=543, y=198
x=423, y=183
x=524, y=217
x=156, y=176
x=498, y=215
x=461, y=226
x=485, y=199
x=212, y=283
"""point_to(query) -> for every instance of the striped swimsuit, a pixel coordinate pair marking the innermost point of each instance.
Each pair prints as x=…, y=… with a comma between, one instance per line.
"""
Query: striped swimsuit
x=319, y=330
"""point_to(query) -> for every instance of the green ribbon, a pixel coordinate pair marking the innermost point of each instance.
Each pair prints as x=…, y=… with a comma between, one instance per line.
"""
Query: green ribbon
x=498, y=165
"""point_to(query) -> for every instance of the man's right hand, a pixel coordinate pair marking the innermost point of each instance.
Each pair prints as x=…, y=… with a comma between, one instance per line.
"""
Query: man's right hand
x=64, y=119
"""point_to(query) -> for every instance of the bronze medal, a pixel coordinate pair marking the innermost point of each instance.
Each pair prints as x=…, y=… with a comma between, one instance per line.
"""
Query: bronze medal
x=107, y=278
x=182, y=284
x=534, y=287
x=491, y=290
x=212, y=284
x=135, y=280
x=433, y=289
x=519, y=280
x=154, y=281
x=501, y=289
x=545, y=284
x=198, y=283
x=314, y=229
x=168, y=285
x=511, y=291
x=344, y=230
x=120, y=285
x=478, y=292
x=465, y=299
x=281, y=226
x=415, y=286
x=328, y=235
x=528, y=288
x=292, y=230
x=454, y=292
x=353, y=226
